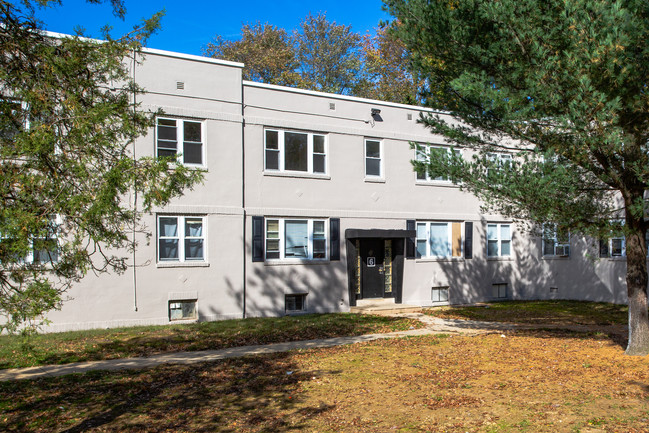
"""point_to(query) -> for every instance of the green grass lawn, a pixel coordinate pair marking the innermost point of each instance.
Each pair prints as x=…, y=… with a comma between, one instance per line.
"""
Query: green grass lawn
x=539, y=312
x=66, y=347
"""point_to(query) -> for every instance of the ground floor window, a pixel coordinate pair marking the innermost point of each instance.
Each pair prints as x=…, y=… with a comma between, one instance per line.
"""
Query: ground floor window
x=499, y=240
x=295, y=303
x=288, y=238
x=181, y=238
x=182, y=310
x=439, y=239
x=556, y=242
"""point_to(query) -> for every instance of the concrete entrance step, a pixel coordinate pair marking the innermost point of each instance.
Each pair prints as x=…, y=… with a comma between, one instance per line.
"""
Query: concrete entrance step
x=383, y=306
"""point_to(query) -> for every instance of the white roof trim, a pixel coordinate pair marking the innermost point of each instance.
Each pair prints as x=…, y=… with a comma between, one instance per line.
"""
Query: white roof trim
x=192, y=57
x=341, y=97
x=146, y=50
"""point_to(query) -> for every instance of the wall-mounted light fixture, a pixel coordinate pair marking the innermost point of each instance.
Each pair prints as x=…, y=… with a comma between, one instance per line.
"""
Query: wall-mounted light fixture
x=375, y=112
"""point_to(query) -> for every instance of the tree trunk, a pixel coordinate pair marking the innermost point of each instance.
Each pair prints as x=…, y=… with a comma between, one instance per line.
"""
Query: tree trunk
x=636, y=282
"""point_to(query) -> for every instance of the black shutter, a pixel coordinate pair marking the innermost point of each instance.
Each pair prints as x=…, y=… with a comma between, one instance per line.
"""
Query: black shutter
x=334, y=238
x=410, y=242
x=603, y=248
x=258, y=239
x=468, y=240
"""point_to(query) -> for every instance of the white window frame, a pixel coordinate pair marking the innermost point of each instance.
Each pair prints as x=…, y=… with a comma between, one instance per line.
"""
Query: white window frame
x=180, y=136
x=560, y=249
x=500, y=240
x=281, y=151
x=622, y=240
x=500, y=158
x=427, y=240
x=29, y=258
x=181, y=236
x=282, y=239
x=381, y=175
x=423, y=155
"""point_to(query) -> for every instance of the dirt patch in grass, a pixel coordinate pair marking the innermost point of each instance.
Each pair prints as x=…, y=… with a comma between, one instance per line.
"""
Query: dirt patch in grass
x=532, y=381
x=62, y=348
x=539, y=313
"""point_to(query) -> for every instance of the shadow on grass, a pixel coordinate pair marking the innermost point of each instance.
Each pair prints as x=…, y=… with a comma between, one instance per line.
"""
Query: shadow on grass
x=146, y=341
x=256, y=394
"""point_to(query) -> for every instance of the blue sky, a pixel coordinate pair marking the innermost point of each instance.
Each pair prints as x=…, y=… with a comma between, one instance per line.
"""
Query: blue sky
x=189, y=25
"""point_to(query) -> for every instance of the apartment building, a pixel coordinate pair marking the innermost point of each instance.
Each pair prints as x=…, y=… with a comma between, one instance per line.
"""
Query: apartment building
x=309, y=204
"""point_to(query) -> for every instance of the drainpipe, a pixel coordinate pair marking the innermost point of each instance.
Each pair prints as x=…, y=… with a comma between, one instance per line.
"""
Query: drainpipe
x=243, y=196
x=134, y=196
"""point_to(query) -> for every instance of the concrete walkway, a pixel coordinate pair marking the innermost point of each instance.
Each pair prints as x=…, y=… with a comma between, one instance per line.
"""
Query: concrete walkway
x=433, y=325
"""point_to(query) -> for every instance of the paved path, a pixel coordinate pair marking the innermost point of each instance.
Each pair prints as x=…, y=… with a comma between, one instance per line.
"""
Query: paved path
x=434, y=325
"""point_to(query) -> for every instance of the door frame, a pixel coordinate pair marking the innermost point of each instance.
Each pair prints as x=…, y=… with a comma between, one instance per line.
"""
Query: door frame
x=353, y=238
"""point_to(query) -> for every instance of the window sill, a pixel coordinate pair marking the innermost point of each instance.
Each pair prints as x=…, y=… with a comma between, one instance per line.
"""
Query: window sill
x=374, y=180
x=555, y=258
x=500, y=258
x=296, y=174
x=182, y=265
x=439, y=259
x=285, y=262
x=615, y=259
x=438, y=183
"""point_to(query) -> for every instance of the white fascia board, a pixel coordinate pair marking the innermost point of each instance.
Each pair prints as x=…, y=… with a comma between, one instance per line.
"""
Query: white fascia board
x=341, y=97
x=154, y=51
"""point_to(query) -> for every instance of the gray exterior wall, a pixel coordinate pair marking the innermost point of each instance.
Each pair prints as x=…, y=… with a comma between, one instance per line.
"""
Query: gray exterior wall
x=237, y=187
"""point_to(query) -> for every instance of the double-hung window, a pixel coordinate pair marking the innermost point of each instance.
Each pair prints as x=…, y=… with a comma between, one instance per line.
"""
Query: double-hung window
x=499, y=160
x=499, y=240
x=181, y=238
x=43, y=246
x=439, y=239
x=373, y=159
x=294, y=151
x=556, y=242
x=304, y=239
x=424, y=153
x=176, y=136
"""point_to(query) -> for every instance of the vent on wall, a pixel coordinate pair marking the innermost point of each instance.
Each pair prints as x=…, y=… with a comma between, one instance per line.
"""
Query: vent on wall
x=409, y=115
x=180, y=85
x=332, y=106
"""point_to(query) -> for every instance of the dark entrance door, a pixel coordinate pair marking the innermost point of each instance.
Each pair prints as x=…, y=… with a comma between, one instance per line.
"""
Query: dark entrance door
x=372, y=257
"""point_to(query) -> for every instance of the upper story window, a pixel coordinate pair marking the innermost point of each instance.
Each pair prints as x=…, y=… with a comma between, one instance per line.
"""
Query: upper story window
x=373, y=158
x=438, y=239
x=295, y=151
x=304, y=239
x=556, y=242
x=423, y=154
x=500, y=160
x=499, y=240
x=181, y=238
x=176, y=136
x=11, y=121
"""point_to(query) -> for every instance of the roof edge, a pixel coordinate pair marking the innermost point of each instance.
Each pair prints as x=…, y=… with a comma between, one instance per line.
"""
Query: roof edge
x=341, y=97
x=155, y=51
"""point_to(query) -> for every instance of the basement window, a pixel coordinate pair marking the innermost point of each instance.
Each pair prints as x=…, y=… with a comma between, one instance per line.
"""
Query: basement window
x=182, y=310
x=439, y=294
x=295, y=303
x=499, y=291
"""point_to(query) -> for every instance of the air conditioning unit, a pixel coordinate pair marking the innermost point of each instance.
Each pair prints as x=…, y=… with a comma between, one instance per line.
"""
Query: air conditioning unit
x=562, y=250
